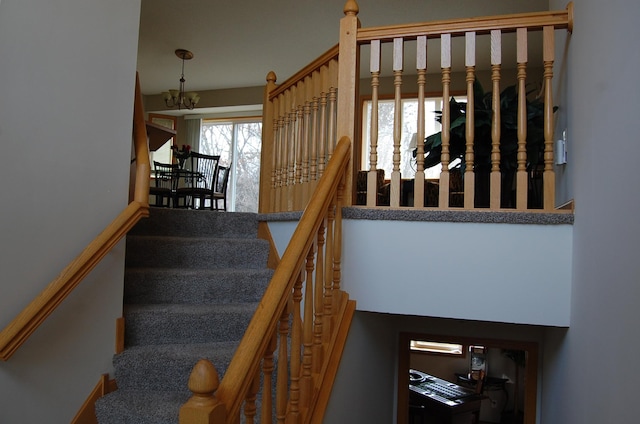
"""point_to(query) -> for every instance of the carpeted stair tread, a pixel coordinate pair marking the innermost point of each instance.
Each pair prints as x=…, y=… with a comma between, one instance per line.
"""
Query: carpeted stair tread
x=166, y=285
x=190, y=223
x=193, y=280
x=167, y=367
x=196, y=253
x=184, y=323
x=126, y=407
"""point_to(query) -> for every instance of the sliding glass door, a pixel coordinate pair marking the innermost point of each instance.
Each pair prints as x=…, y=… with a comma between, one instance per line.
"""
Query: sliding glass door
x=238, y=143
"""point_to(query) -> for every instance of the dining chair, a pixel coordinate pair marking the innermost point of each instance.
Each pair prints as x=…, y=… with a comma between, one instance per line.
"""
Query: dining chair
x=164, y=183
x=220, y=187
x=198, y=181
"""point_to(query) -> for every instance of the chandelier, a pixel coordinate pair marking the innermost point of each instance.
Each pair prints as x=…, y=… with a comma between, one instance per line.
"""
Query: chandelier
x=179, y=98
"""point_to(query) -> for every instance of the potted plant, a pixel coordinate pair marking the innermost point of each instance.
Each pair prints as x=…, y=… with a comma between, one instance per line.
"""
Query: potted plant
x=482, y=139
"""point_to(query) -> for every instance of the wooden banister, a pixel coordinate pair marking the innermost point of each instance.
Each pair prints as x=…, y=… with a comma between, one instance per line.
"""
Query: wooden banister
x=281, y=298
x=27, y=321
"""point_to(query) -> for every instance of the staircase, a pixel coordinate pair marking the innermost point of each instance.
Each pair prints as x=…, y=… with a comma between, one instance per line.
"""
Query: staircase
x=192, y=282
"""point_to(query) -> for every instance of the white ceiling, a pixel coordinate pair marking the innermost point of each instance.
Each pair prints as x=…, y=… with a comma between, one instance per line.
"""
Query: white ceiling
x=236, y=43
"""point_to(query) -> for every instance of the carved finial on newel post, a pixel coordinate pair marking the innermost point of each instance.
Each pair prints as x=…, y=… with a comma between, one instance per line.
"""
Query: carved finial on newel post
x=271, y=77
x=351, y=7
x=203, y=407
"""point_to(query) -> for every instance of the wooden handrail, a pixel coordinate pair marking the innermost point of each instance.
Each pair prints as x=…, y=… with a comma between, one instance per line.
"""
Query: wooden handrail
x=239, y=376
x=27, y=321
x=318, y=63
x=481, y=25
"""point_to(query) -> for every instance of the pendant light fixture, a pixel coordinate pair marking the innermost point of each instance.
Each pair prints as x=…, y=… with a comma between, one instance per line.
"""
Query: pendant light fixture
x=178, y=98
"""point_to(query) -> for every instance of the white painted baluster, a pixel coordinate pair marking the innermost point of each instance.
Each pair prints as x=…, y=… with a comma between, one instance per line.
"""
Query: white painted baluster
x=469, y=157
x=496, y=61
x=372, y=176
x=421, y=67
x=445, y=65
x=398, y=50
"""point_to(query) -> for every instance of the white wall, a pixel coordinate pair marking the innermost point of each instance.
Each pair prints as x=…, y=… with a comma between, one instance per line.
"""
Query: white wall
x=68, y=74
x=490, y=272
x=600, y=105
x=439, y=269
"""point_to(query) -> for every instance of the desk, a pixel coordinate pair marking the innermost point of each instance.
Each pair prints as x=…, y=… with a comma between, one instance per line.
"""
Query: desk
x=436, y=401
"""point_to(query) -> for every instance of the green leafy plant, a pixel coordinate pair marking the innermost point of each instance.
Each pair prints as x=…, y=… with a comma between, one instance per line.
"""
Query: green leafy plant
x=482, y=136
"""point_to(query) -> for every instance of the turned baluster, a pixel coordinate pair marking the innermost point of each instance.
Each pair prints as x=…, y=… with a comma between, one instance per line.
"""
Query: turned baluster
x=250, y=408
x=313, y=159
x=306, y=139
x=372, y=175
x=398, y=50
x=298, y=196
x=282, y=376
x=521, y=173
x=421, y=66
x=318, y=352
x=327, y=309
x=333, y=109
x=267, y=370
x=549, y=176
x=470, y=126
x=307, y=333
x=322, y=135
x=445, y=65
x=291, y=149
x=337, y=251
x=282, y=151
x=286, y=151
x=293, y=416
x=275, y=172
x=496, y=61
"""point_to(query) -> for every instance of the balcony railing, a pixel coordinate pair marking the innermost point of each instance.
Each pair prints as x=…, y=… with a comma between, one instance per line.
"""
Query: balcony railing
x=507, y=154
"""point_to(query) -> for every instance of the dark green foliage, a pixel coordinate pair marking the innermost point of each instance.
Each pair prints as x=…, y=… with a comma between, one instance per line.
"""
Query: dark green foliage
x=482, y=144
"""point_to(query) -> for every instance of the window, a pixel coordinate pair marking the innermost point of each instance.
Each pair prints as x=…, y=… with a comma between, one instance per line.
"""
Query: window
x=238, y=142
x=428, y=346
x=386, y=110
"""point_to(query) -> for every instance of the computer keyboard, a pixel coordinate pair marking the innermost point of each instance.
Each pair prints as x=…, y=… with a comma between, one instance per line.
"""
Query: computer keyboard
x=436, y=388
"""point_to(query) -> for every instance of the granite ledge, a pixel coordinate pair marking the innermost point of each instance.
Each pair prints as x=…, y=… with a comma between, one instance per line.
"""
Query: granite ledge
x=489, y=217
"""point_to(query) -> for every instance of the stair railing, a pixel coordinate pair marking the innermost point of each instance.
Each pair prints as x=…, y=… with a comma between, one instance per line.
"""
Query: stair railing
x=321, y=102
x=298, y=133
x=474, y=188
x=295, y=339
x=34, y=314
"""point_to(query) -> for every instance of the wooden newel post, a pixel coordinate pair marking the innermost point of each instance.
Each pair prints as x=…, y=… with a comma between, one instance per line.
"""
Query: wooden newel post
x=203, y=407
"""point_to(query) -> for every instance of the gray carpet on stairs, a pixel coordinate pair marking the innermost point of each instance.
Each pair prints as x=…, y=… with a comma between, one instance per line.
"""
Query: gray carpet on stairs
x=192, y=283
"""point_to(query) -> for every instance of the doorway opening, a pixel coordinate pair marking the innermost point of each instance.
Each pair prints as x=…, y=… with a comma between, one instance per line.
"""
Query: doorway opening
x=481, y=380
